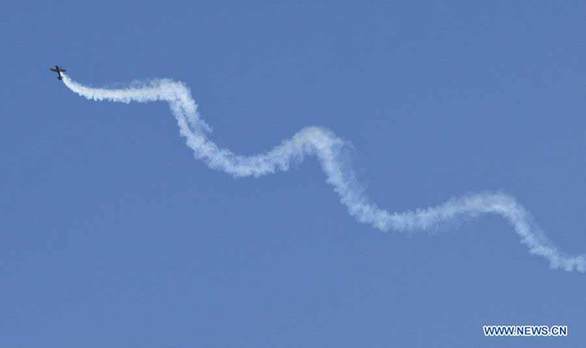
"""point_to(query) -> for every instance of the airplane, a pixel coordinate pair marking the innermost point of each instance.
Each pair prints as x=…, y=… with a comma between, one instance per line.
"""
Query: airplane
x=58, y=70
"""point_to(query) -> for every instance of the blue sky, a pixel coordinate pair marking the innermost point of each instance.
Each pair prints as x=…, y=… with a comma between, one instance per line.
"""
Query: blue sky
x=112, y=235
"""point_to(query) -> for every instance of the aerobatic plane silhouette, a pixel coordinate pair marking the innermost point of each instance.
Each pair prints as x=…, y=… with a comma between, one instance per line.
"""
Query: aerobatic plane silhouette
x=58, y=70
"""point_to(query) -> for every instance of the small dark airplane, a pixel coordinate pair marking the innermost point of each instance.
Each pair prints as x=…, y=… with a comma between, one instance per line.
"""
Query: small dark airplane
x=58, y=70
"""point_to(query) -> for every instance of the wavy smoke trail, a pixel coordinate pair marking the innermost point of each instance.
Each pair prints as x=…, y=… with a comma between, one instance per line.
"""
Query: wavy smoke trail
x=327, y=147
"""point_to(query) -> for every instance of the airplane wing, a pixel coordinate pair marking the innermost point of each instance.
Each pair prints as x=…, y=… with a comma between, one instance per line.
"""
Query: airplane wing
x=53, y=69
x=63, y=70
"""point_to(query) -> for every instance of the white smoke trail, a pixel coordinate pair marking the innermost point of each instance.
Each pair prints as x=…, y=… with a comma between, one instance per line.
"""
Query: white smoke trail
x=327, y=147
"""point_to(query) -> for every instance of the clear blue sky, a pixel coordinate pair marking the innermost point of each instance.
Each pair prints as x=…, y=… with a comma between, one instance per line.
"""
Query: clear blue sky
x=112, y=235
